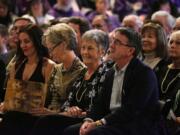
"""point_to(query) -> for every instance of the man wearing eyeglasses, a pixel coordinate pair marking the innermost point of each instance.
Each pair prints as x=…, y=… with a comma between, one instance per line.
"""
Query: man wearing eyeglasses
x=129, y=102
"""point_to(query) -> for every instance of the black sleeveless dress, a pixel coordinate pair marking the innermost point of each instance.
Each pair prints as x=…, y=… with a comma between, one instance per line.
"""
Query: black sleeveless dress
x=37, y=75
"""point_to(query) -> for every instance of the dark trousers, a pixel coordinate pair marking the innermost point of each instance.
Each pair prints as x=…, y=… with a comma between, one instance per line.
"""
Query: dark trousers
x=109, y=130
x=103, y=130
x=72, y=130
x=53, y=124
x=17, y=123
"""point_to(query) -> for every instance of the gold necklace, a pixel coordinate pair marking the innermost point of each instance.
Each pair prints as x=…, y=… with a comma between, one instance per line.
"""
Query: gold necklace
x=164, y=91
x=80, y=98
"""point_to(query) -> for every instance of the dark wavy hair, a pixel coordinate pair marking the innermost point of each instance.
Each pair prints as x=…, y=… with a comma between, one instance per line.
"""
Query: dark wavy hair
x=35, y=33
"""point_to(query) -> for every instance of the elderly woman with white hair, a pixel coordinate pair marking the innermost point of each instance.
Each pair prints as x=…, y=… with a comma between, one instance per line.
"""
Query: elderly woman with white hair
x=165, y=18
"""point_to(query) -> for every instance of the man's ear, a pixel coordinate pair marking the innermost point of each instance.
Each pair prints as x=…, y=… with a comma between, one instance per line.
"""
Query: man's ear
x=131, y=50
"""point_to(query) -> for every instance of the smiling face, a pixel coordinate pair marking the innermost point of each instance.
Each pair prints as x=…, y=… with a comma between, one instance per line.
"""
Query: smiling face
x=90, y=52
x=149, y=41
x=27, y=45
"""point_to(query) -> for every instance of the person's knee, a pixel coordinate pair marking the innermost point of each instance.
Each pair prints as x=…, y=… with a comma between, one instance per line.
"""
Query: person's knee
x=72, y=130
x=94, y=132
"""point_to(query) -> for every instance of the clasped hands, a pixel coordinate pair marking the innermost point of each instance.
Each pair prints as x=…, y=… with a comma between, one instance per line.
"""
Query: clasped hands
x=74, y=111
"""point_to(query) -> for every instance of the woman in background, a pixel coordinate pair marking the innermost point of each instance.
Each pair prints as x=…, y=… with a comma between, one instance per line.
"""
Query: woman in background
x=37, y=13
x=169, y=83
x=154, y=45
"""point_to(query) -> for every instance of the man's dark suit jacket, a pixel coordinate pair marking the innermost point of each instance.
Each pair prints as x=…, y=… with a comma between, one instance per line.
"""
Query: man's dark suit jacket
x=6, y=57
x=139, y=106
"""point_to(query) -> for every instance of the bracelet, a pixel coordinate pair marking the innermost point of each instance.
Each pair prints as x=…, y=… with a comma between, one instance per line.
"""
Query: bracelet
x=88, y=119
x=98, y=123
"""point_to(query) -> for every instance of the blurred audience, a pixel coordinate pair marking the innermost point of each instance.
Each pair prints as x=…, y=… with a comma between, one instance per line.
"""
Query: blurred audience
x=37, y=13
x=18, y=24
x=176, y=26
x=132, y=21
x=3, y=39
x=6, y=16
x=102, y=9
x=63, y=8
x=80, y=26
x=166, y=19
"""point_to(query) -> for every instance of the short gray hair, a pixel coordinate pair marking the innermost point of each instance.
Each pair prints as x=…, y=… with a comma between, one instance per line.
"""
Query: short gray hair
x=61, y=32
x=170, y=18
x=134, y=18
x=100, y=37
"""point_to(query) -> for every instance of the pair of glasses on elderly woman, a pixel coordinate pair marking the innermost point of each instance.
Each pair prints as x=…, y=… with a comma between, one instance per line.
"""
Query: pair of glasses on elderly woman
x=50, y=49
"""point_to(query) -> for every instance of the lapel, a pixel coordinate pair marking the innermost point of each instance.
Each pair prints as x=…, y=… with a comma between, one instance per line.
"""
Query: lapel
x=128, y=75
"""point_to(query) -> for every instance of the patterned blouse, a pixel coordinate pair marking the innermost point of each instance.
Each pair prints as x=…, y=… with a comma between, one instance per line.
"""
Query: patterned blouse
x=59, y=82
x=83, y=92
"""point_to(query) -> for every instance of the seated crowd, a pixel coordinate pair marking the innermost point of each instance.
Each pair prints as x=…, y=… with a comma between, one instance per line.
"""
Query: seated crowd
x=111, y=69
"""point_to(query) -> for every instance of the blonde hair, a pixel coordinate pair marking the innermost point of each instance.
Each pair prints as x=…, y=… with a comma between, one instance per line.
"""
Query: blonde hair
x=59, y=33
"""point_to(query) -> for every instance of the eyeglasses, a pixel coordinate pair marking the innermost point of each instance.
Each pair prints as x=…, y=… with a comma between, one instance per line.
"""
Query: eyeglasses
x=44, y=42
x=52, y=48
x=117, y=42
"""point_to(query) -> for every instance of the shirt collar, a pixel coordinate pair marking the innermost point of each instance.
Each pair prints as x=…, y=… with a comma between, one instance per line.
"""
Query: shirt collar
x=122, y=70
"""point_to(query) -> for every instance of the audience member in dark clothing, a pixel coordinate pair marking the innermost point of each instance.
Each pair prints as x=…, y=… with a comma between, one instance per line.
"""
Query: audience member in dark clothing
x=63, y=8
x=154, y=45
x=128, y=104
x=169, y=83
